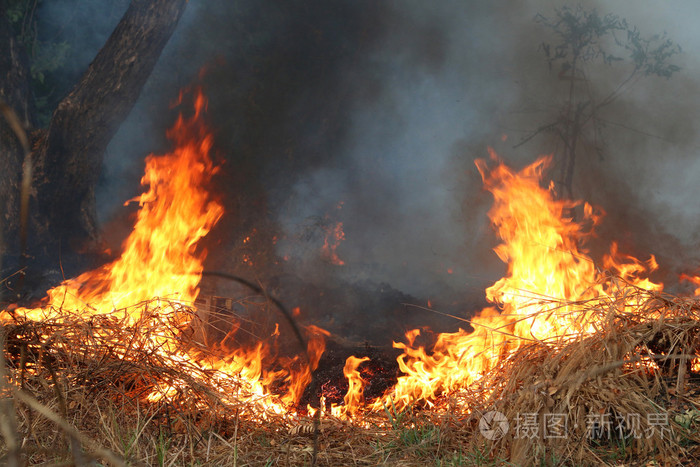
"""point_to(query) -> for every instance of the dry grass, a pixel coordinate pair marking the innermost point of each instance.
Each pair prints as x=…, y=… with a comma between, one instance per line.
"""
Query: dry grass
x=622, y=393
x=73, y=393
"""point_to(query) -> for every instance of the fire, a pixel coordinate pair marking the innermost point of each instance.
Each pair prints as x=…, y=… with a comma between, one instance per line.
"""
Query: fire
x=334, y=235
x=354, y=400
x=161, y=259
x=548, y=272
x=354, y=397
x=695, y=280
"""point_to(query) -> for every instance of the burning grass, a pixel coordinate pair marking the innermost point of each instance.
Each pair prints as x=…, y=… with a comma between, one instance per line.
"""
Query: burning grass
x=601, y=372
x=620, y=393
x=626, y=392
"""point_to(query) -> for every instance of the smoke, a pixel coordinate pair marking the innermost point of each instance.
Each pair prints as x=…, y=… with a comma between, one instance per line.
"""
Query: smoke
x=645, y=180
x=68, y=35
x=400, y=169
x=372, y=113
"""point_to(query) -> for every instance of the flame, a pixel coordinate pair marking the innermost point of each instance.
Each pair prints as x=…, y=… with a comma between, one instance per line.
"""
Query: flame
x=334, y=235
x=547, y=272
x=161, y=259
x=354, y=397
x=300, y=379
x=354, y=400
x=695, y=280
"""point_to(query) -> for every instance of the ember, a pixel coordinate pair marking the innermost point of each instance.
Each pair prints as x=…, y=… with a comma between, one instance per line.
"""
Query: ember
x=334, y=235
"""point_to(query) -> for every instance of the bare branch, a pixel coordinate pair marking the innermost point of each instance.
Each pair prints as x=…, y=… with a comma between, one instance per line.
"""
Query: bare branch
x=539, y=130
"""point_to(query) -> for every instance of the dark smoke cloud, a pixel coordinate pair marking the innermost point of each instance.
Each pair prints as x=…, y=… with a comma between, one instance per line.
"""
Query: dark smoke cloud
x=383, y=106
x=397, y=170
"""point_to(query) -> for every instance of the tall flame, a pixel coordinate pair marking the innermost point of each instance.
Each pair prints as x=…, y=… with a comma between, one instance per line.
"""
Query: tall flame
x=159, y=257
x=547, y=272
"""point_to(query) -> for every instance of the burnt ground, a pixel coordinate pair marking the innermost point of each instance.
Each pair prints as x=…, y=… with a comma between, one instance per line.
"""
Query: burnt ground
x=379, y=373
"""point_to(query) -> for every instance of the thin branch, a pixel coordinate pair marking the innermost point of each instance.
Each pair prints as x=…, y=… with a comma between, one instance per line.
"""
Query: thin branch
x=539, y=130
x=617, y=91
x=636, y=130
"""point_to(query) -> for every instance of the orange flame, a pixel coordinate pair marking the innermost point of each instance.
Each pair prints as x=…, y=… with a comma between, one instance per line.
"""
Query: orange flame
x=547, y=271
x=695, y=280
x=334, y=236
x=354, y=397
x=160, y=259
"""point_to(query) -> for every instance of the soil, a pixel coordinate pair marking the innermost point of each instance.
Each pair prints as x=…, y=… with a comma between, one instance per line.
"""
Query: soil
x=379, y=373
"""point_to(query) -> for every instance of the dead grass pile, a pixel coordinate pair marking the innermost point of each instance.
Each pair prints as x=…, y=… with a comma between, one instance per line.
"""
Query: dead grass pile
x=98, y=376
x=75, y=391
x=133, y=358
x=624, y=392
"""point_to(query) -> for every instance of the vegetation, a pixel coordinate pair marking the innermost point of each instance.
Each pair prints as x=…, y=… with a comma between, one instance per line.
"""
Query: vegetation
x=72, y=399
x=587, y=48
x=46, y=56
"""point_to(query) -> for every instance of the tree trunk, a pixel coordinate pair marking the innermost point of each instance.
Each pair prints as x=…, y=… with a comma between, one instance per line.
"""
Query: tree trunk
x=69, y=155
x=15, y=92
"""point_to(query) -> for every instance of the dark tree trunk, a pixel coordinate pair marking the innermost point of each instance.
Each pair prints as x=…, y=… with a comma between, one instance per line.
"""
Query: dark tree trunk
x=68, y=154
x=15, y=92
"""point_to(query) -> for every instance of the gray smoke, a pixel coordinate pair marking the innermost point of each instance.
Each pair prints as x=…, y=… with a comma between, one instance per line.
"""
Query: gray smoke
x=400, y=170
x=384, y=108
